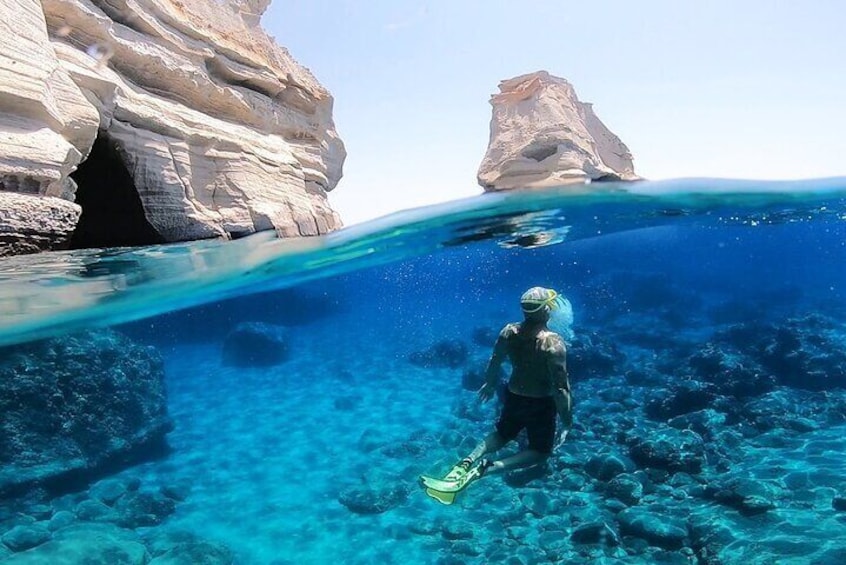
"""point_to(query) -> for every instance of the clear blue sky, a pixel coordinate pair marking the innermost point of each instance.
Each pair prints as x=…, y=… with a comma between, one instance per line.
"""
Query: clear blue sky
x=745, y=89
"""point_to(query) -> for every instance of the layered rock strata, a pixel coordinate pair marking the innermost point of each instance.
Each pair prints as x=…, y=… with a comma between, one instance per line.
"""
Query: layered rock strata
x=219, y=132
x=46, y=128
x=542, y=135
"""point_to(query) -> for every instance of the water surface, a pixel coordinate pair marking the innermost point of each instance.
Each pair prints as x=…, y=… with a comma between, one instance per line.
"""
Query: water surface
x=664, y=278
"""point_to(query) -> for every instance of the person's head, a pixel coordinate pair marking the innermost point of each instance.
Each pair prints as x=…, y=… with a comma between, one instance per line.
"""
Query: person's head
x=537, y=303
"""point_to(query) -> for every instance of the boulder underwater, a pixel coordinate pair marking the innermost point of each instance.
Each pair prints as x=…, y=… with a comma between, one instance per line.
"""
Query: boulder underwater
x=255, y=344
x=77, y=407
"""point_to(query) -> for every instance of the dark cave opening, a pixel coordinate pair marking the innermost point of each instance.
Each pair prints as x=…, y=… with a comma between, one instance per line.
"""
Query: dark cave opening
x=112, y=213
x=540, y=153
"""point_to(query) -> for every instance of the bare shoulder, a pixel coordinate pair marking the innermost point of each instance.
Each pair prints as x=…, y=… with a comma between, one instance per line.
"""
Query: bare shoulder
x=553, y=343
x=509, y=330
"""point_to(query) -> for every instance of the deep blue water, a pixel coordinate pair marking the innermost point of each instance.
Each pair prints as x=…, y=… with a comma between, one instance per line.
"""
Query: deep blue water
x=656, y=275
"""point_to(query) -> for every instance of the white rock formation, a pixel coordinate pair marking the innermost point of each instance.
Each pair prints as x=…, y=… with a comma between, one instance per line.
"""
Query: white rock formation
x=46, y=128
x=221, y=131
x=542, y=135
x=29, y=223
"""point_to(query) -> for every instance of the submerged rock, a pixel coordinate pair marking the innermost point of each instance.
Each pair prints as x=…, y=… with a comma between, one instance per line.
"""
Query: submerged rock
x=140, y=509
x=95, y=511
x=196, y=553
x=625, y=488
x=730, y=373
x=753, y=505
x=709, y=534
x=806, y=353
x=77, y=406
x=606, y=466
x=832, y=556
x=784, y=411
x=255, y=344
x=86, y=543
x=683, y=398
x=61, y=519
x=707, y=423
x=177, y=491
x=108, y=491
x=21, y=538
x=747, y=495
x=457, y=530
x=595, y=532
x=368, y=500
x=542, y=135
x=160, y=541
x=594, y=355
x=657, y=529
x=539, y=503
x=449, y=354
x=670, y=450
x=751, y=359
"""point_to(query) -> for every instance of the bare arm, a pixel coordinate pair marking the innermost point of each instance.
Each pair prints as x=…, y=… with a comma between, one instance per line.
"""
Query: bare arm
x=561, y=382
x=492, y=372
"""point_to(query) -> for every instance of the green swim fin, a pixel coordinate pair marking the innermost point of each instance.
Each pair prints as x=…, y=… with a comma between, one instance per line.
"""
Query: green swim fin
x=451, y=478
x=446, y=491
x=442, y=497
x=438, y=484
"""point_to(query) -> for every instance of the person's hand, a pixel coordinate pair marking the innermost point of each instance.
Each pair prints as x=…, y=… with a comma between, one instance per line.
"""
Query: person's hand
x=560, y=438
x=487, y=392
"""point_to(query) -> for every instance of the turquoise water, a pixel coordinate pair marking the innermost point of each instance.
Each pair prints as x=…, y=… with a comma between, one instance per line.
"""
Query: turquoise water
x=685, y=294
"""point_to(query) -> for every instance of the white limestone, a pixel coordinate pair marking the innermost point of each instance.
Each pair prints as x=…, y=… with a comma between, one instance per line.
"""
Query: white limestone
x=542, y=135
x=221, y=130
x=46, y=128
x=30, y=223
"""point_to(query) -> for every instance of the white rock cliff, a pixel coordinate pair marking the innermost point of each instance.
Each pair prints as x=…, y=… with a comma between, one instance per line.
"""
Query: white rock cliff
x=542, y=135
x=220, y=132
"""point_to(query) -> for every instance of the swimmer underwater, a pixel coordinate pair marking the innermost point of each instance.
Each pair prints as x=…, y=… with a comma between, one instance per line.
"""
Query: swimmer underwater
x=538, y=392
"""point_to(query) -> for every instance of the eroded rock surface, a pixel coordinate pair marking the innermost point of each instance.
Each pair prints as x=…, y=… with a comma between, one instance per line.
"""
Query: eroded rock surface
x=542, y=135
x=221, y=133
x=76, y=406
x=29, y=223
x=46, y=128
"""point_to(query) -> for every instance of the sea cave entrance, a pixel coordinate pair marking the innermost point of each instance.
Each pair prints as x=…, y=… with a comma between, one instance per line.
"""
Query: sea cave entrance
x=112, y=213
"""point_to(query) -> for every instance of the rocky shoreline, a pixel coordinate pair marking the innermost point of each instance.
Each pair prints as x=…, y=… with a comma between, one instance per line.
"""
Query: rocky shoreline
x=157, y=121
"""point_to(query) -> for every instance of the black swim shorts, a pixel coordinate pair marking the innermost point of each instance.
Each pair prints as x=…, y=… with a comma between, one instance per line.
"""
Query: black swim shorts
x=536, y=415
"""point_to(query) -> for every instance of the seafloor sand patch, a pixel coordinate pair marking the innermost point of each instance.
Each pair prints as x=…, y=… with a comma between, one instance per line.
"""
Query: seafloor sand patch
x=268, y=450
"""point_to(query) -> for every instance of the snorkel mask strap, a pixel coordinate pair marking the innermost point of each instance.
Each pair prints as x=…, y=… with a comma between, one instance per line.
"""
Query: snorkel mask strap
x=548, y=302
